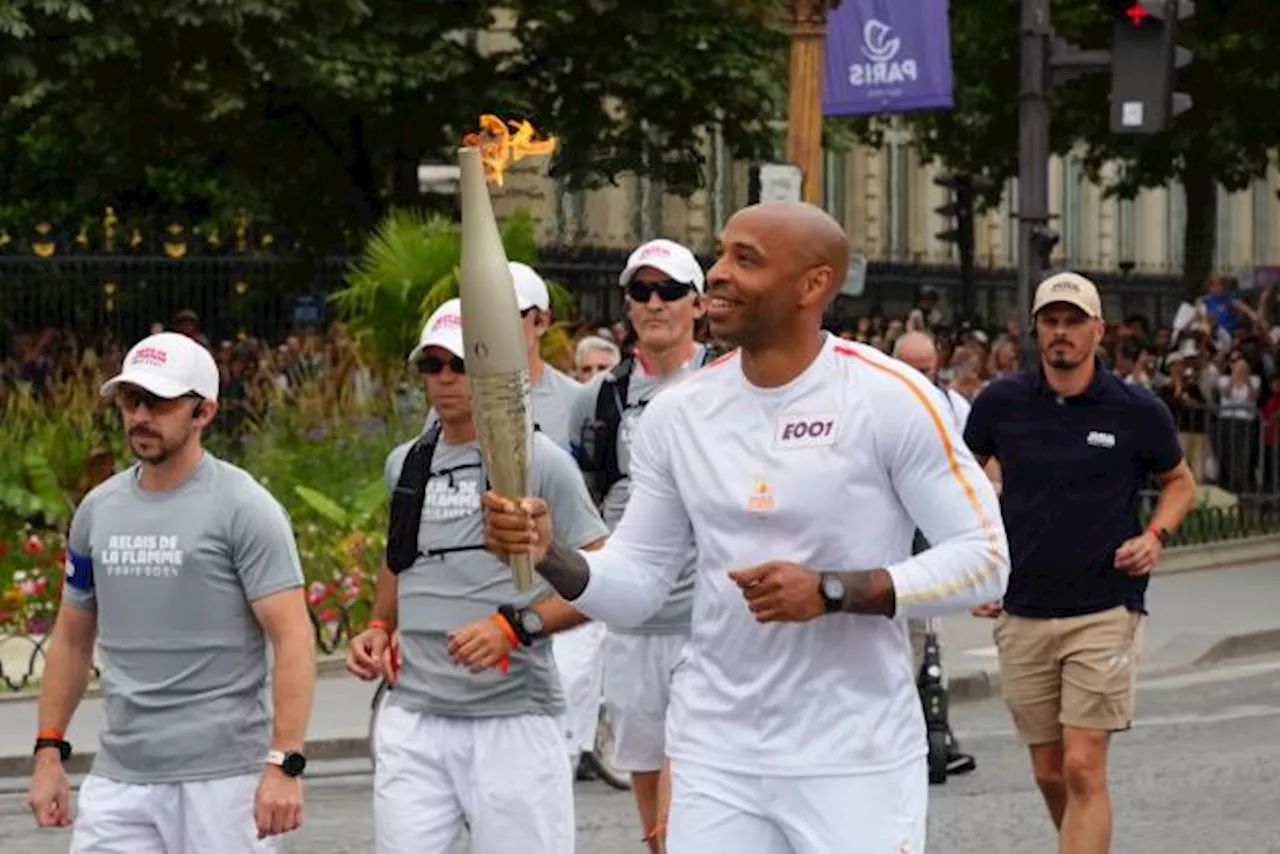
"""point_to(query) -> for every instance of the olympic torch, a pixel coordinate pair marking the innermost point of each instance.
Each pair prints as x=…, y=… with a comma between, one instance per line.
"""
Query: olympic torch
x=492, y=333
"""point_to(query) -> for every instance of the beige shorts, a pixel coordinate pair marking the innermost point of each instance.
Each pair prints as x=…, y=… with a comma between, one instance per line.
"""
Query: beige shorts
x=1070, y=671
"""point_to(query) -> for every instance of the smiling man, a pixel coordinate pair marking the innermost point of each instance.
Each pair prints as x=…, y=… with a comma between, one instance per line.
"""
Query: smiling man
x=796, y=471
x=664, y=287
x=181, y=568
x=1074, y=445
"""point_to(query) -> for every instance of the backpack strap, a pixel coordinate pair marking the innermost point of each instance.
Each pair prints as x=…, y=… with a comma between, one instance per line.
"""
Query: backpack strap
x=406, y=502
x=611, y=403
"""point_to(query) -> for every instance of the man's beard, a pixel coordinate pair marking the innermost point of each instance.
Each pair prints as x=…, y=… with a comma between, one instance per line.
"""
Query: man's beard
x=160, y=452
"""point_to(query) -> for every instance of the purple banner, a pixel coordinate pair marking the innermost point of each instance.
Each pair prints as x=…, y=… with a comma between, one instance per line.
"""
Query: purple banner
x=887, y=56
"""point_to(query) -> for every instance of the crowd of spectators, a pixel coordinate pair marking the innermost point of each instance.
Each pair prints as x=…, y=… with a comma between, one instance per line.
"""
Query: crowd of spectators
x=1217, y=367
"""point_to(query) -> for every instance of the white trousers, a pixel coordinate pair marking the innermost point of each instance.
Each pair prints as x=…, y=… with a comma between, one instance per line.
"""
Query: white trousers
x=505, y=779
x=580, y=659
x=637, y=689
x=717, y=812
x=208, y=817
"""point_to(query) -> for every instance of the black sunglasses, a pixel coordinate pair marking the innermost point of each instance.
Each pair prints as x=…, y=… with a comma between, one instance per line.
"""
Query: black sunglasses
x=433, y=365
x=130, y=398
x=667, y=291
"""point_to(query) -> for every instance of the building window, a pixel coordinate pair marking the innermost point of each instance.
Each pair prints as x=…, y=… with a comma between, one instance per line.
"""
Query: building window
x=566, y=213
x=1225, y=232
x=1011, y=231
x=897, y=199
x=1126, y=231
x=834, y=181
x=1177, y=225
x=1261, y=253
x=720, y=180
x=1072, y=220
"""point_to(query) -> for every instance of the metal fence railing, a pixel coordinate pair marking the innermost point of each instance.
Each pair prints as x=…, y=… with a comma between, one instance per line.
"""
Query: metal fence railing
x=1233, y=448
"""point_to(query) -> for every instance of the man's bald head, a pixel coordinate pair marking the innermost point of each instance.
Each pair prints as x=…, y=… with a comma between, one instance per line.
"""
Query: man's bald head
x=780, y=266
x=810, y=235
x=918, y=351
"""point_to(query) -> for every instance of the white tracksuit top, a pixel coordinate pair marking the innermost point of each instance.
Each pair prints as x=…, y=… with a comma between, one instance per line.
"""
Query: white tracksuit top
x=834, y=471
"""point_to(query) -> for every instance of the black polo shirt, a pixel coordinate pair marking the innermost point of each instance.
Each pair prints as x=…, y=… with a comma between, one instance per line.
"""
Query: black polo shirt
x=1072, y=468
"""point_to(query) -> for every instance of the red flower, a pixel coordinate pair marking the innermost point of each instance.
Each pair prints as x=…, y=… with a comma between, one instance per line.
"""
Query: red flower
x=33, y=546
x=4, y=549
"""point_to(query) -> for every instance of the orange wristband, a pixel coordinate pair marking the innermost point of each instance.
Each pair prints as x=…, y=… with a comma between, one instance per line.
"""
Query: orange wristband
x=507, y=630
x=56, y=735
x=379, y=624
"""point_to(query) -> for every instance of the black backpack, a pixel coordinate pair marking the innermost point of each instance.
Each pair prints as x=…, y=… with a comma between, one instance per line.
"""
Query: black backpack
x=597, y=451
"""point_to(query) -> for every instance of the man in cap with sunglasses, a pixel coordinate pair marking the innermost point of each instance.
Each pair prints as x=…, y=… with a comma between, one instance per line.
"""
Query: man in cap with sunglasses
x=469, y=735
x=796, y=470
x=182, y=568
x=664, y=283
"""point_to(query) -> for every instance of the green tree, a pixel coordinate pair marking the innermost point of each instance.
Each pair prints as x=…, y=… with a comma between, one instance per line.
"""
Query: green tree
x=1227, y=138
x=315, y=115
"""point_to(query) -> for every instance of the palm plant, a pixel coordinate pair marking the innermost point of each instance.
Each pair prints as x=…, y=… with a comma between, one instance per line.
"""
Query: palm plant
x=408, y=269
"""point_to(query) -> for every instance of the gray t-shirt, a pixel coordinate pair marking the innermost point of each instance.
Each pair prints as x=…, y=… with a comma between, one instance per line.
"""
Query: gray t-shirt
x=677, y=612
x=552, y=399
x=171, y=576
x=442, y=592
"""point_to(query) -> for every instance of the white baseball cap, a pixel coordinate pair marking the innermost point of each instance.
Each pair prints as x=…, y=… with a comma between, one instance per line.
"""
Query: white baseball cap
x=168, y=365
x=669, y=257
x=531, y=290
x=1071, y=288
x=443, y=329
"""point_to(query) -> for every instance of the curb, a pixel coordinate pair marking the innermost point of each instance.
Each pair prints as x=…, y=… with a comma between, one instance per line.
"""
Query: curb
x=1227, y=554
x=327, y=667
x=320, y=750
x=984, y=685
x=967, y=688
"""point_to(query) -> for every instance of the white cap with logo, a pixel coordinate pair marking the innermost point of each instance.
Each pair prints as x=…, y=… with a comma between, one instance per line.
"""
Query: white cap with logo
x=1070, y=288
x=443, y=329
x=169, y=365
x=670, y=258
x=531, y=290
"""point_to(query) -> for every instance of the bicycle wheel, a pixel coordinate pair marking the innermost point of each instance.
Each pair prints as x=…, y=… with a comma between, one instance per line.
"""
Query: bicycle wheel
x=601, y=756
x=375, y=707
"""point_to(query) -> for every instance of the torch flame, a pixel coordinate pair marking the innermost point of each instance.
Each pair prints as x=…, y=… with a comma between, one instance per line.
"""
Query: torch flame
x=503, y=143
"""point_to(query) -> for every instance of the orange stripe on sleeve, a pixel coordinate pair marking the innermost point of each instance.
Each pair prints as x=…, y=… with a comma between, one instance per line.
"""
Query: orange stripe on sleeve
x=988, y=527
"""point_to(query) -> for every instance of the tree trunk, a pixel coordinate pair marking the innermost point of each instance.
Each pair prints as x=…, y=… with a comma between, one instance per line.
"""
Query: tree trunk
x=1200, y=238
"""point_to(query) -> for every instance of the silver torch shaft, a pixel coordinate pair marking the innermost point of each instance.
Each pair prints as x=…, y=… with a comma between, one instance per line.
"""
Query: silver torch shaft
x=497, y=362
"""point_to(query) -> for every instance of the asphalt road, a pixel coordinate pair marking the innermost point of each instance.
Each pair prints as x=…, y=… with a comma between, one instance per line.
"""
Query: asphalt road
x=1198, y=775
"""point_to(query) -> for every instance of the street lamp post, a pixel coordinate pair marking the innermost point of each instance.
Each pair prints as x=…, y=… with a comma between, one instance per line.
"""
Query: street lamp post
x=804, y=94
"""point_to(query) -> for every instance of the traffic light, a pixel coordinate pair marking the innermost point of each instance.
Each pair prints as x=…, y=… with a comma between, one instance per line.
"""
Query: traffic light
x=1145, y=59
x=958, y=211
x=959, y=214
x=1043, y=241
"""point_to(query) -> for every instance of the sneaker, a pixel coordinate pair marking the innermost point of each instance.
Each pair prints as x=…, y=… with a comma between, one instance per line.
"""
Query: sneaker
x=960, y=763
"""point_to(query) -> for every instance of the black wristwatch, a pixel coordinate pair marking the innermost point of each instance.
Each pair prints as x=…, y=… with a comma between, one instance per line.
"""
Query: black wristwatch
x=831, y=586
x=525, y=622
x=290, y=762
x=63, y=746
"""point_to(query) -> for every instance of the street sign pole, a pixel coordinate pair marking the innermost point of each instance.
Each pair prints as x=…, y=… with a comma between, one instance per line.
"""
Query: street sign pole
x=1033, y=160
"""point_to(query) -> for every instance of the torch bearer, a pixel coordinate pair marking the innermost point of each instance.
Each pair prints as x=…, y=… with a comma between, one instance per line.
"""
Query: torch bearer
x=492, y=334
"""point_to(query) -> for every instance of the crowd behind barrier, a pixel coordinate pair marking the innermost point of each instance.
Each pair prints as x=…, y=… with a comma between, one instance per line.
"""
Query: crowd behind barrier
x=1217, y=367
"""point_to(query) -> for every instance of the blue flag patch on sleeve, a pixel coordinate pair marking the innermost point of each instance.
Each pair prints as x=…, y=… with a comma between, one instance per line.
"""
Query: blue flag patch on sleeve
x=79, y=571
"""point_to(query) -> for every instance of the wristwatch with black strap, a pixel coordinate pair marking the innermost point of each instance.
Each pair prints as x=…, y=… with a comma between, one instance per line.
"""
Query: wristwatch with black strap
x=291, y=762
x=49, y=739
x=525, y=622
x=1161, y=534
x=831, y=587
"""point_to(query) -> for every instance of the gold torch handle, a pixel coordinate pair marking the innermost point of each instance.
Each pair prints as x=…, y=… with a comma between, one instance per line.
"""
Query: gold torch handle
x=522, y=571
